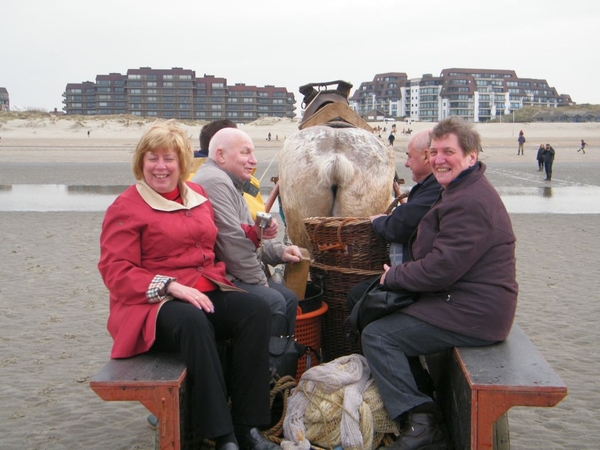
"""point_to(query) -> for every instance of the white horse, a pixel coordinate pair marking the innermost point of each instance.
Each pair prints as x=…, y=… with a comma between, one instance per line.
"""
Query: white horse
x=333, y=172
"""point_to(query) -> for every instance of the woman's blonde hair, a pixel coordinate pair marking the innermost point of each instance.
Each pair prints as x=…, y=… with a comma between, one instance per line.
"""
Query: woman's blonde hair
x=161, y=136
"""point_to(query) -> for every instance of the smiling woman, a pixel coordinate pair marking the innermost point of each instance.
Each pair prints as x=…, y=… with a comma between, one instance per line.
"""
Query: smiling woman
x=168, y=293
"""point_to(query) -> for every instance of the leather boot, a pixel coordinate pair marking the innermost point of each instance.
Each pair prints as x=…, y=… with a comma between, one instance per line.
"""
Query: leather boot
x=421, y=431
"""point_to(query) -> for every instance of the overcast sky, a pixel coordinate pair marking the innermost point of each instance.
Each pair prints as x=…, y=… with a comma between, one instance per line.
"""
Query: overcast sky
x=45, y=44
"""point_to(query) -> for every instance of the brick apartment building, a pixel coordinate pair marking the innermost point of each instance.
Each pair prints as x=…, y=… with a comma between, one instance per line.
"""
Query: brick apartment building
x=4, y=100
x=176, y=93
x=477, y=95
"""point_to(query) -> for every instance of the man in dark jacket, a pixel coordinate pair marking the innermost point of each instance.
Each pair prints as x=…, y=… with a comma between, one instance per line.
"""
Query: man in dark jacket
x=548, y=156
x=398, y=227
x=464, y=270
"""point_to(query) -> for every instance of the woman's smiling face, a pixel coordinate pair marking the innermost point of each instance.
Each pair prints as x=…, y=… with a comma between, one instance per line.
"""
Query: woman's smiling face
x=448, y=160
x=161, y=170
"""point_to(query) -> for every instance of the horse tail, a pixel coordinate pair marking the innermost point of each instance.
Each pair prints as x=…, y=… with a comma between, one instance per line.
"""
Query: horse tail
x=336, y=171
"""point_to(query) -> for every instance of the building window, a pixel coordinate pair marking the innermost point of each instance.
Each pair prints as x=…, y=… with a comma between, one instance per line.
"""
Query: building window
x=134, y=77
x=217, y=85
x=151, y=84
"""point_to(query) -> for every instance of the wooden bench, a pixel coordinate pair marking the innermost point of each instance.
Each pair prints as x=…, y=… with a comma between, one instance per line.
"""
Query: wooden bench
x=477, y=386
x=156, y=380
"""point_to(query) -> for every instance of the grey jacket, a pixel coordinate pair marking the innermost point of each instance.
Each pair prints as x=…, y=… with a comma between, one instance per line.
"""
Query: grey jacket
x=231, y=211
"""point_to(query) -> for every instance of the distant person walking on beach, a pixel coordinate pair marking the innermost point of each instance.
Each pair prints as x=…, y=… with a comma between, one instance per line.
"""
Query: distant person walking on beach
x=540, y=157
x=583, y=144
x=521, y=141
x=548, y=155
x=90, y=132
x=391, y=139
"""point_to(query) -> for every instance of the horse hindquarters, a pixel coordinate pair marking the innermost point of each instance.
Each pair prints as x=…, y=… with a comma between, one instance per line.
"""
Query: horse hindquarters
x=333, y=172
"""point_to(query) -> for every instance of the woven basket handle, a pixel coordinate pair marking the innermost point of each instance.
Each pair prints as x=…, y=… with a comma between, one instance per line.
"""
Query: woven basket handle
x=394, y=203
x=339, y=245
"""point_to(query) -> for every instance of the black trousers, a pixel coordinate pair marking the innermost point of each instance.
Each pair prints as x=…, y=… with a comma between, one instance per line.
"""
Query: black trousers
x=243, y=319
x=548, y=168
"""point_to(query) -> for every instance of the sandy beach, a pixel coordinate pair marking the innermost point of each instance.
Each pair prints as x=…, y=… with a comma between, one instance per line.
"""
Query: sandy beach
x=54, y=304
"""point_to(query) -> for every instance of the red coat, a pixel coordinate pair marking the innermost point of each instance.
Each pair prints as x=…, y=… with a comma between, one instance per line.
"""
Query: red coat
x=139, y=241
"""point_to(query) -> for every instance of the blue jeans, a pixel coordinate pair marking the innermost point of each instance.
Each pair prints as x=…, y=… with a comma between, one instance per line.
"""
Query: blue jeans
x=389, y=342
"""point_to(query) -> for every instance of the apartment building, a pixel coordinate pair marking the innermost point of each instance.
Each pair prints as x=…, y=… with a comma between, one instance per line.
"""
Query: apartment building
x=176, y=93
x=477, y=95
x=4, y=100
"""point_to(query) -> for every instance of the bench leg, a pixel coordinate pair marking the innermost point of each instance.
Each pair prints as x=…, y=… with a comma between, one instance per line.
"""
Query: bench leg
x=488, y=406
x=164, y=404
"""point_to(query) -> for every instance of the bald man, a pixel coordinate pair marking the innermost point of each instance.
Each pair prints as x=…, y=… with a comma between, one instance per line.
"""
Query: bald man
x=230, y=163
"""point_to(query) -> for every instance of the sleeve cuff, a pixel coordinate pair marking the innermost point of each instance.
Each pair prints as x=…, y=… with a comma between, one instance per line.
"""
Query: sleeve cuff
x=156, y=291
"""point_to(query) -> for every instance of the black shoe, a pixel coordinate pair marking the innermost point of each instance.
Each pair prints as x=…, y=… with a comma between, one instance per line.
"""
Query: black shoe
x=422, y=431
x=255, y=440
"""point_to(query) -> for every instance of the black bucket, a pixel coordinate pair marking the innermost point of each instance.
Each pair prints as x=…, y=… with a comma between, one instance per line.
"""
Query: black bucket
x=313, y=296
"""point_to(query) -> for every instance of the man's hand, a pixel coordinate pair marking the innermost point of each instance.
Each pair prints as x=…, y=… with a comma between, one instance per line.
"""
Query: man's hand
x=385, y=271
x=269, y=232
x=291, y=254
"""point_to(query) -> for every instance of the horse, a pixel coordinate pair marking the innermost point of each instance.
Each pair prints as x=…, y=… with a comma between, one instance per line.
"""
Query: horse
x=327, y=171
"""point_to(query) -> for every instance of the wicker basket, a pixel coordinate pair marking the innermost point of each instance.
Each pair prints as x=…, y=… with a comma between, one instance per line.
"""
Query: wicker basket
x=308, y=332
x=346, y=242
x=337, y=281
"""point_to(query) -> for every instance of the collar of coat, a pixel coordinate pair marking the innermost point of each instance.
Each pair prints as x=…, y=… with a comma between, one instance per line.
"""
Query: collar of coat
x=239, y=184
x=190, y=198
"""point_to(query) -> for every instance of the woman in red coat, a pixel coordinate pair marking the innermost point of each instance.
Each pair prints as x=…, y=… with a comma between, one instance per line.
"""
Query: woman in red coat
x=168, y=293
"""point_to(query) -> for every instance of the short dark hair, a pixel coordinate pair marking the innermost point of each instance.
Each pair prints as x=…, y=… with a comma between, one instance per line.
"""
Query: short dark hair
x=468, y=139
x=209, y=130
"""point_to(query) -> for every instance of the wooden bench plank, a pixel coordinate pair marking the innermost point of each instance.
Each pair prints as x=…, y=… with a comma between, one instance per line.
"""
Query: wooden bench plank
x=157, y=380
x=476, y=386
x=514, y=364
